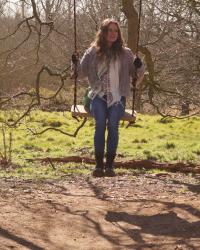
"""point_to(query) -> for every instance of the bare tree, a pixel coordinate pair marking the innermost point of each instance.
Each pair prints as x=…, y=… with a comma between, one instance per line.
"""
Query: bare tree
x=36, y=43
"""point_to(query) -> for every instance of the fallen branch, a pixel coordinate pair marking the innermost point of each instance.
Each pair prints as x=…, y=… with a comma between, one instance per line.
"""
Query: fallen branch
x=131, y=164
x=74, y=134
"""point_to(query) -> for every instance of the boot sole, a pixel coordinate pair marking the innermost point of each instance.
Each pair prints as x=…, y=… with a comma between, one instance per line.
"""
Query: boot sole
x=98, y=173
x=109, y=173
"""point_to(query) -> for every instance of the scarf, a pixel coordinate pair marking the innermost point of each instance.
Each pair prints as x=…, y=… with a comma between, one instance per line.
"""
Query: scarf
x=108, y=72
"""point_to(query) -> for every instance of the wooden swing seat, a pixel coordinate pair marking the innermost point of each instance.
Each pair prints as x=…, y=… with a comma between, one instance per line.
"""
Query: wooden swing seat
x=81, y=112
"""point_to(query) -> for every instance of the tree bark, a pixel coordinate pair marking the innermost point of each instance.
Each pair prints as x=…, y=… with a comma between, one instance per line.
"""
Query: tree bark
x=132, y=18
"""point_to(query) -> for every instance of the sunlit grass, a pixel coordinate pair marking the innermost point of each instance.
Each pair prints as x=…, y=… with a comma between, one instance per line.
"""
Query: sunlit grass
x=166, y=141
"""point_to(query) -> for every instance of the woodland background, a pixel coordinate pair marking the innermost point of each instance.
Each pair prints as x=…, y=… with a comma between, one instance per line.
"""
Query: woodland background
x=37, y=41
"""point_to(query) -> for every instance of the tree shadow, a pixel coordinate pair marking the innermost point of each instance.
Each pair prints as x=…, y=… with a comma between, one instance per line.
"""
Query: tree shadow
x=6, y=234
x=168, y=224
x=98, y=191
x=195, y=188
x=89, y=221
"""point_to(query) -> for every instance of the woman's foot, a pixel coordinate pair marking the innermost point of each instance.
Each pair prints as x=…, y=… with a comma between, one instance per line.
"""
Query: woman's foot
x=98, y=172
x=109, y=172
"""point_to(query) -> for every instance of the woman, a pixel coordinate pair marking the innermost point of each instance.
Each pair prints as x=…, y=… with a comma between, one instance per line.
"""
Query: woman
x=109, y=66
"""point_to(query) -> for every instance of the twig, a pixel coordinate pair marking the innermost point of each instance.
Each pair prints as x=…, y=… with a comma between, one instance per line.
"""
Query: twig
x=51, y=163
x=4, y=143
x=10, y=147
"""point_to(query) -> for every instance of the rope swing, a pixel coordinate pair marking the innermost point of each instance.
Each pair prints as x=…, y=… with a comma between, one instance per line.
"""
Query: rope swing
x=75, y=65
x=134, y=80
x=78, y=110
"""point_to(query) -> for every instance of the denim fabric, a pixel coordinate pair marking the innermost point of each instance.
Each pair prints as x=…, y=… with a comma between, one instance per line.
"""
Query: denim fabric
x=106, y=117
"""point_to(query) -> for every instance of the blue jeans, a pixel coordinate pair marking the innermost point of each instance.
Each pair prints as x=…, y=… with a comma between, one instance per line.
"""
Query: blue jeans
x=109, y=117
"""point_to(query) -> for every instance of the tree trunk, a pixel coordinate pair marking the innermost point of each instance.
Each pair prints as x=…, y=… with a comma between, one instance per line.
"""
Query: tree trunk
x=185, y=108
x=23, y=9
x=132, y=18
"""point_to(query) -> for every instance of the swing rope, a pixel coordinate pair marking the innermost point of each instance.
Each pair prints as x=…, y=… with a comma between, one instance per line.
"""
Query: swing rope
x=138, y=30
x=75, y=64
x=134, y=80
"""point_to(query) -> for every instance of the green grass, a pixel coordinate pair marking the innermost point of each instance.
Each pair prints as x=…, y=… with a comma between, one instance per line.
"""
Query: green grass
x=150, y=138
x=40, y=171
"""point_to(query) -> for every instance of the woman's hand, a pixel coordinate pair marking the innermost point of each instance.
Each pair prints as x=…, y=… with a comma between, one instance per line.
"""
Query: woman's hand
x=138, y=63
x=73, y=76
x=75, y=58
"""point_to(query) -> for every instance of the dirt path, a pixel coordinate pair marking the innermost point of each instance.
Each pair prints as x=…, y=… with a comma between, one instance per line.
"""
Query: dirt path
x=126, y=212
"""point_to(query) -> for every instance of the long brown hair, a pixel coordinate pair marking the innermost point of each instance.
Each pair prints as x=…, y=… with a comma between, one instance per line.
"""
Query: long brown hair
x=100, y=42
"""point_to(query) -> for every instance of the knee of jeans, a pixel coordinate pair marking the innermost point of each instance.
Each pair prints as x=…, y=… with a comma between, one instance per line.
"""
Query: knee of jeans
x=113, y=125
x=100, y=124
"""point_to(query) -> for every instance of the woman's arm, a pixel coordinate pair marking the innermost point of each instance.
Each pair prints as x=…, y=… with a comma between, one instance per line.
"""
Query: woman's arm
x=140, y=73
x=82, y=65
x=136, y=67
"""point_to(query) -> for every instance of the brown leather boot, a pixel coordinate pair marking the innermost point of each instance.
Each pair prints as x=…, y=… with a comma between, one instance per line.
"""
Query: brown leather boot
x=109, y=170
x=98, y=171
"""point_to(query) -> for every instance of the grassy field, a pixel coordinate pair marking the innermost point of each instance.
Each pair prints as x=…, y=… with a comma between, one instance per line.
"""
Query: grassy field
x=166, y=141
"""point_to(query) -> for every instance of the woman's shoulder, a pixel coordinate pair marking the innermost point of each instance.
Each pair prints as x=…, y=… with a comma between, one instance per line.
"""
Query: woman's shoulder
x=127, y=50
x=91, y=50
